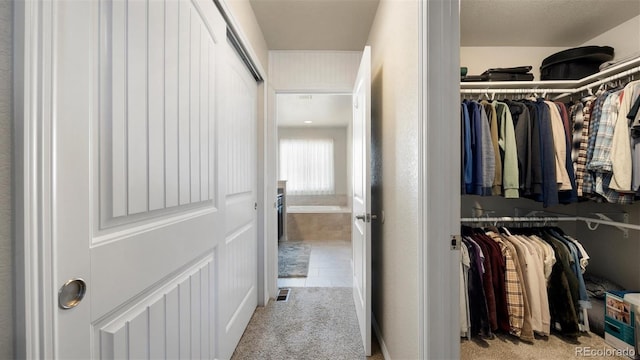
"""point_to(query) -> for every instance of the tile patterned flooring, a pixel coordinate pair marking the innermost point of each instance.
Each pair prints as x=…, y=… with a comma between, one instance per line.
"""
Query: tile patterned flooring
x=329, y=266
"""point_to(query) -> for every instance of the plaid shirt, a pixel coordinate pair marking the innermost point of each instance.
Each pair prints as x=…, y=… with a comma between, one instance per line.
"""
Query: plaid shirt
x=513, y=286
x=600, y=165
x=601, y=157
x=588, y=186
x=581, y=161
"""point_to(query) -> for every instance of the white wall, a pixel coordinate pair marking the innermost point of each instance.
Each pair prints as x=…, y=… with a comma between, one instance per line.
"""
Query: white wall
x=624, y=38
x=339, y=136
x=612, y=256
x=6, y=129
x=324, y=71
x=480, y=58
x=395, y=124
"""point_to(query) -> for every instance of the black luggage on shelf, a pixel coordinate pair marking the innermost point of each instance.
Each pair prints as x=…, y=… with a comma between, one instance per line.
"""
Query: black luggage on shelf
x=518, y=73
x=498, y=77
x=576, y=63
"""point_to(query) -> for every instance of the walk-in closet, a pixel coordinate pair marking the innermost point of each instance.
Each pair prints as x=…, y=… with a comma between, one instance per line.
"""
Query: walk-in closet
x=550, y=179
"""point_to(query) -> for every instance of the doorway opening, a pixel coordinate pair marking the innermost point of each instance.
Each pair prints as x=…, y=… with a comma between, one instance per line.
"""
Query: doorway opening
x=314, y=189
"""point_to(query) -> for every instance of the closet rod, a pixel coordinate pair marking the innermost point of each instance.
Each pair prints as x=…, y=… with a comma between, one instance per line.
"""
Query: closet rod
x=617, y=76
x=503, y=219
x=587, y=220
x=609, y=223
x=514, y=91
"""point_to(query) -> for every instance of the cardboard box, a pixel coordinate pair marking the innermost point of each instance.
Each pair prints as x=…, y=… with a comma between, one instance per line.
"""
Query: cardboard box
x=619, y=320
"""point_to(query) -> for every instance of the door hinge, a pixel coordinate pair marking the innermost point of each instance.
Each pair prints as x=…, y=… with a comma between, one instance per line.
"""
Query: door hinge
x=455, y=242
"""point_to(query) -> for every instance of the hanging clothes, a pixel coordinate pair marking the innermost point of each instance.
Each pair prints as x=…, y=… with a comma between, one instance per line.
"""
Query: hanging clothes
x=522, y=281
x=554, y=153
x=508, y=151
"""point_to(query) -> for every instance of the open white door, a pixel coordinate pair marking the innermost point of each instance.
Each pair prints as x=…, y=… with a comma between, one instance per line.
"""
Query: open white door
x=361, y=225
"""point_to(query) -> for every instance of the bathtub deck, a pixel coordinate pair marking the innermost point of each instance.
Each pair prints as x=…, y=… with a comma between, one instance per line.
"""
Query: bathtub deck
x=318, y=226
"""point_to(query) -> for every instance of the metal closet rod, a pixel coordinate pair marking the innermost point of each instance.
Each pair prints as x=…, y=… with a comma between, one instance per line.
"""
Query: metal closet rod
x=515, y=91
x=500, y=219
x=503, y=219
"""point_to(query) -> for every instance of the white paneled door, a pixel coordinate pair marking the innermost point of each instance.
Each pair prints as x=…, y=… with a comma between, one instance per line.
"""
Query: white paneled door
x=361, y=228
x=147, y=173
x=238, y=251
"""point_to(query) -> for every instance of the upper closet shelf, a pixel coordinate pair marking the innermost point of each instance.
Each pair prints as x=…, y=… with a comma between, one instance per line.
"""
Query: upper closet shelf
x=613, y=73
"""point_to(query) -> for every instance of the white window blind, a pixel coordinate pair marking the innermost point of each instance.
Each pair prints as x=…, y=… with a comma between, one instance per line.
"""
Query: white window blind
x=307, y=165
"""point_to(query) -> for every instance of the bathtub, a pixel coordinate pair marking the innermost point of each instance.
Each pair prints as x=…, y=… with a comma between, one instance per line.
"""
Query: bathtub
x=318, y=222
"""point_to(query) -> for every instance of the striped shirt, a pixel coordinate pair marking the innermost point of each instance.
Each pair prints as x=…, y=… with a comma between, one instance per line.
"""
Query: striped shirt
x=577, y=121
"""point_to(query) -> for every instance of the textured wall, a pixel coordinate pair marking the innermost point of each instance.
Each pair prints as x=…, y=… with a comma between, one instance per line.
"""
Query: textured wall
x=6, y=253
x=624, y=38
x=394, y=48
x=612, y=256
x=480, y=58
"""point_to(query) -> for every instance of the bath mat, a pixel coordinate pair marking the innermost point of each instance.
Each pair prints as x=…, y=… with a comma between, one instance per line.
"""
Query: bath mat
x=293, y=259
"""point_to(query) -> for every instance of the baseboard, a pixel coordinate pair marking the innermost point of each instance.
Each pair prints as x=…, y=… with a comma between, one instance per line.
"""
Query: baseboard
x=383, y=346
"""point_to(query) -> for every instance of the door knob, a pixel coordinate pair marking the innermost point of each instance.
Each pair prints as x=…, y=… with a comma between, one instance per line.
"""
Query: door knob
x=366, y=217
x=71, y=293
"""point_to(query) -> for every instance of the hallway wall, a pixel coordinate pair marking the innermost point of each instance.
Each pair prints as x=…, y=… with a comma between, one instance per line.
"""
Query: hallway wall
x=6, y=212
x=395, y=115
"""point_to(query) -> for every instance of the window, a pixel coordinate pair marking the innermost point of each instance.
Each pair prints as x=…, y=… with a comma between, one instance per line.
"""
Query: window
x=307, y=165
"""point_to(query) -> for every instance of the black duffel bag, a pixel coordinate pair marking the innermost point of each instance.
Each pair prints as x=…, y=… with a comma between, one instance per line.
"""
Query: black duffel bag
x=576, y=63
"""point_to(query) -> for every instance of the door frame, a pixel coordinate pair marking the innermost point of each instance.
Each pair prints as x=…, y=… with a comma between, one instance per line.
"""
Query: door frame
x=439, y=197
x=34, y=287
x=272, y=148
x=33, y=255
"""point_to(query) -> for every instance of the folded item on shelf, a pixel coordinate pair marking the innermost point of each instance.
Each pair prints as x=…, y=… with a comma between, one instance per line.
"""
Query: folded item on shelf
x=510, y=70
x=498, y=76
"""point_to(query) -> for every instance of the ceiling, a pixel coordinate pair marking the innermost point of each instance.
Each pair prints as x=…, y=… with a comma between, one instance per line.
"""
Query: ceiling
x=320, y=109
x=345, y=24
x=567, y=23
x=315, y=24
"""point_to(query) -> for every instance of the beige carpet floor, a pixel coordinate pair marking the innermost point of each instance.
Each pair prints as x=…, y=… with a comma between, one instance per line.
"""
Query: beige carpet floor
x=506, y=347
x=315, y=323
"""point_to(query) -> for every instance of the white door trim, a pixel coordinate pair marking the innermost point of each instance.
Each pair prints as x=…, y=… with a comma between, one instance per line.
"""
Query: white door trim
x=33, y=257
x=439, y=197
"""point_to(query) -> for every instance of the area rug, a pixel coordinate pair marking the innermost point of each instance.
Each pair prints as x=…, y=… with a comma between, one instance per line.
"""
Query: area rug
x=293, y=259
